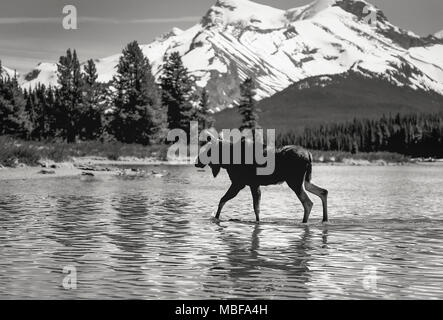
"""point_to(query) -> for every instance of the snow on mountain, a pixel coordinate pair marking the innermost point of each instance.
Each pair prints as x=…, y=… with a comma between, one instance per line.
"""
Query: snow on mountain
x=6, y=72
x=240, y=38
x=439, y=34
x=244, y=13
x=44, y=73
x=310, y=10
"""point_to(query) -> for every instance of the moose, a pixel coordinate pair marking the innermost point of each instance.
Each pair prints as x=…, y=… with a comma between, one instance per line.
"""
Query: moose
x=293, y=165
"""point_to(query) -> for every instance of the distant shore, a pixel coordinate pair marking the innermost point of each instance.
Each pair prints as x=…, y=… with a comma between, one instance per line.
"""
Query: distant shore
x=32, y=159
x=89, y=167
x=86, y=167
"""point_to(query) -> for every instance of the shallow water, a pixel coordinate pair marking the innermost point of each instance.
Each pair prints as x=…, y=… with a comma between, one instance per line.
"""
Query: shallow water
x=152, y=238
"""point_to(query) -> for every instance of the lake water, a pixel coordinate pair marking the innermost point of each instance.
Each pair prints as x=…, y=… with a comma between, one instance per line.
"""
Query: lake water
x=152, y=238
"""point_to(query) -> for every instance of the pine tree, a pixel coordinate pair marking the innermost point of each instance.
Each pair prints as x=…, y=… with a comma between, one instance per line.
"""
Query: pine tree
x=202, y=115
x=137, y=117
x=50, y=114
x=29, y=97
x=247, y=107
x=40, y=107
x=70, y=95
x=177, y=93
x=91, y=115
x=13, y=117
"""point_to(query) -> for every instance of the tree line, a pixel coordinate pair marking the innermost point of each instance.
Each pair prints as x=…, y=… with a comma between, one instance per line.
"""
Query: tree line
x=417, y=135
x=132, y=108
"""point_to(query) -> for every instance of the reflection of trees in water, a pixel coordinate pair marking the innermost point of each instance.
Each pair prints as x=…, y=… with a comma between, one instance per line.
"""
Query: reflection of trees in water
x=252, y=271
x=171, y=226
x=130, y=232
x=147, y=231
x=74, y=226
x=174, y=203
x=12, y=213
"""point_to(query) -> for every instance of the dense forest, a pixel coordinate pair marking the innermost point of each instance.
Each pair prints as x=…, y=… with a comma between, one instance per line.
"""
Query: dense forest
x=417, y=135
x=134, y=108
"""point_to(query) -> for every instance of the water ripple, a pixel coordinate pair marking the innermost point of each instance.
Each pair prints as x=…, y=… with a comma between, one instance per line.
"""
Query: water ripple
x=153, y=238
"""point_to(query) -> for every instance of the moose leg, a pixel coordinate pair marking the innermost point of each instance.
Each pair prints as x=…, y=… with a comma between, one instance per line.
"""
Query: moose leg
x=322, y=194
x=300, y=191
x=231, y=194
x=256, y=197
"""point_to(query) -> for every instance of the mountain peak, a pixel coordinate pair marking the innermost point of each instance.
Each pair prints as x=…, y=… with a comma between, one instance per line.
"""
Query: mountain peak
x=237, y=4
x=245, y=12
x=172, y=33
x=43, y=65
x=439, y=34
x=358, y=8
x=248, y=13
x=237, y=39
x=310, y=10
x=322, y=4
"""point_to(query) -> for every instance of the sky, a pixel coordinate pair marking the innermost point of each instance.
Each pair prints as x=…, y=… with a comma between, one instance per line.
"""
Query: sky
x=31, y=30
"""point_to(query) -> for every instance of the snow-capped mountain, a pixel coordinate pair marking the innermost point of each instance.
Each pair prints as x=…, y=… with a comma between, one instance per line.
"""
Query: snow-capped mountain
x=439, y=34
x=240, y=38
x=335, y=98
x=6, y=72
x=44, y=73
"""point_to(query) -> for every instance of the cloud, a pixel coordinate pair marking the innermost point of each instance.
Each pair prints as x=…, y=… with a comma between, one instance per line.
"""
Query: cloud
x=167, y=20
x=138, y=21
x=20, y=20
x=49, y=20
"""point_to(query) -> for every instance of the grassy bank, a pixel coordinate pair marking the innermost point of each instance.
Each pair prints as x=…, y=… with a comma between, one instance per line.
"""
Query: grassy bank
x=14, y=152
x=341, y=157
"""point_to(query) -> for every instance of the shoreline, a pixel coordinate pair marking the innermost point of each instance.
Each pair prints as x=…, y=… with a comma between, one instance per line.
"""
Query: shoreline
x=89, y=167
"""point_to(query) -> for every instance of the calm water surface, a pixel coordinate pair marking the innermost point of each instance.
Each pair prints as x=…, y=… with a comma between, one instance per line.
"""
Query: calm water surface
x=151, y=238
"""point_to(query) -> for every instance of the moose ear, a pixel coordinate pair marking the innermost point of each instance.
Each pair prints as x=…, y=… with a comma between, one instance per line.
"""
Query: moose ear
x=215, y=170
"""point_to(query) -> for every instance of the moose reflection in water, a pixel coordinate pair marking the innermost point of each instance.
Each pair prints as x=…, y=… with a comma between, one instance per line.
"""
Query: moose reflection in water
x=247, y=259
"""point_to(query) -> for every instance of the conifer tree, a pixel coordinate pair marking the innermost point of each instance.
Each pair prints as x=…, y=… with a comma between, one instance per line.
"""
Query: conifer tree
x=247, y=107
x=177, y=93
x=70, y=95
x=91, y=116
x=40, y=108
x=202, y=114
x=50, y=124
x=13, y=117
x=30, y=108
x=137, y=118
